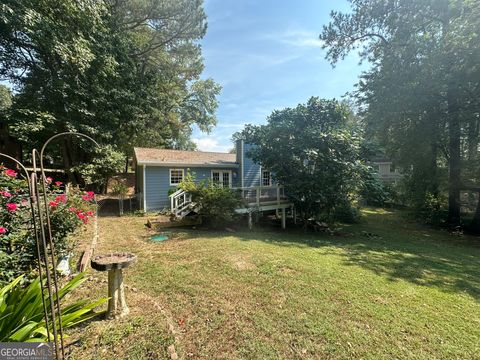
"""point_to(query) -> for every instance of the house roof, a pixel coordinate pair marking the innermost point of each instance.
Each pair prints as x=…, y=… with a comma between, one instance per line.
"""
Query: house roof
x=167, y=157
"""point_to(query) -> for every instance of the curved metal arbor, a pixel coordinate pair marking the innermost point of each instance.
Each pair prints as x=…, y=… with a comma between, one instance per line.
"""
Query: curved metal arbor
x=45, y=249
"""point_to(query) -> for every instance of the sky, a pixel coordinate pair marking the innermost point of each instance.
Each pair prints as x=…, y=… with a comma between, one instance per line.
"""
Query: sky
x=266, y=55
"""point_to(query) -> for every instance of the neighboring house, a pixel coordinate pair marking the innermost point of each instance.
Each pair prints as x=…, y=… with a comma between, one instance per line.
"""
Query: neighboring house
x=160, y=171
x=385, y=169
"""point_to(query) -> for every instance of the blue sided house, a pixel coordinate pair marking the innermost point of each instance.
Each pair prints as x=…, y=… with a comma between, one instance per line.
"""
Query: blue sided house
x=160, y=171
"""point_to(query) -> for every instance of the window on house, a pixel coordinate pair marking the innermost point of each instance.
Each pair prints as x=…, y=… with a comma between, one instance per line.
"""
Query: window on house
x=176, y=176
x=266, y=178
x=222, y=178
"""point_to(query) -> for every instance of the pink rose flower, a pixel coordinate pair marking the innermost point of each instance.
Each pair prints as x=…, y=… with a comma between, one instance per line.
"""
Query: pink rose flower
x=58, y=183
x=53, y=203
x=61, y=198
x=6, y=194
x=2, y=230
x=11, y=173
x=49, y=179
x=82, y=216
x=88, y=196
x=90, y=213
x=72, y=209
x=12, y=207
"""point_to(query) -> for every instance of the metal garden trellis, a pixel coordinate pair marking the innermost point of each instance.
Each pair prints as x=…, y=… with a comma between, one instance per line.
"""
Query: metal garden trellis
x=45, y=249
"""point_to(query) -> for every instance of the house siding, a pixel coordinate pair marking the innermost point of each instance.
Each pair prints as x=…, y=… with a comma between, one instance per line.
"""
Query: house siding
x=158, y=183
x=251, y=170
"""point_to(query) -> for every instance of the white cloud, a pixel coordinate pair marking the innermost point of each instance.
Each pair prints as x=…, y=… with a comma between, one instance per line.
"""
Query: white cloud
x=297, y=38
x=208, y=143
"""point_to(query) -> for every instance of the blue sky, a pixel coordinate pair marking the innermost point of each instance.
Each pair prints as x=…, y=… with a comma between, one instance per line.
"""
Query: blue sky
x=266, y=55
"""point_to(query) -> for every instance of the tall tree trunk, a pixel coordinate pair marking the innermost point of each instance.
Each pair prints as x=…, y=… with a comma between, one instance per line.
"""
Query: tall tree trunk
x=67, y=161
x=454, y=159
x=475, y=225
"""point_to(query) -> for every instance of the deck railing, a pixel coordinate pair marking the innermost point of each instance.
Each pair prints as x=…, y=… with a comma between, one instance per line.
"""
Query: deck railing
x=263, y=195
x=254, y=196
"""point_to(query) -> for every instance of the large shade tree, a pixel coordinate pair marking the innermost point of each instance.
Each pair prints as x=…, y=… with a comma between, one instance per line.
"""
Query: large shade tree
x=126, y=72
x=313, y=151
x=421, y=95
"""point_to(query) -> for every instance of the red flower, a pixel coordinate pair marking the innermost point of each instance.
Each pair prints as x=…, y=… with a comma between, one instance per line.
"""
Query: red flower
x=72, y=209
x=82, y=216
x=12, y=207
x=49, y=179
x=62, y=198
x=53, y=203
x=11, y=173
x=88, y=196
x=5, y=193
x=2, y=230
x=58, y=183
x=90, y=213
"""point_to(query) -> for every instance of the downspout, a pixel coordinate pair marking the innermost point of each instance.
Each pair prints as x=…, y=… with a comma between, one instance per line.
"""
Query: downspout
x=243, y=162
x=144, y=189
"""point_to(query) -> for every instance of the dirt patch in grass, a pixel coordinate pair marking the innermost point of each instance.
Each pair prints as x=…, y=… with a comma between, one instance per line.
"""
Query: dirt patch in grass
x=241, y=262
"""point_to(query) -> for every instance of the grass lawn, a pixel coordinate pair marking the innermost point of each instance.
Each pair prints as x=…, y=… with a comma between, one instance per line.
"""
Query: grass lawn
x=402, y=291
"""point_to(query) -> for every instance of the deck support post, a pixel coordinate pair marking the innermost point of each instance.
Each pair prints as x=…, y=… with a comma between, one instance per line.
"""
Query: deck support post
x=284, y=218
x=250, y=222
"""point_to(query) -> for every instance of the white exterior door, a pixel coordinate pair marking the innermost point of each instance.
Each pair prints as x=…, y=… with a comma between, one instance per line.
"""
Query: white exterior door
x=222, y=178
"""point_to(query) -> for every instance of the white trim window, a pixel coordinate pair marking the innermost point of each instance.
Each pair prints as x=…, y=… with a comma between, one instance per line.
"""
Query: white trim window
x=222, y=178
x=266, y=178
x=176, y=176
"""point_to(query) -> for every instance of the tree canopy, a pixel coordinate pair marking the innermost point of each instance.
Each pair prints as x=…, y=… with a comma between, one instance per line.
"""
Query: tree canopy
x=420, y=97
x=126, y=72
x=313, y=151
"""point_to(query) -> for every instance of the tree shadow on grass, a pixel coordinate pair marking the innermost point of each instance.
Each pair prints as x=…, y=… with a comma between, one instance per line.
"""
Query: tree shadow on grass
x=413, y=253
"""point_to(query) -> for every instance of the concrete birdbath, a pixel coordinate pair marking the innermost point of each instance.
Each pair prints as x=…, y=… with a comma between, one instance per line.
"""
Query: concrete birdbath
x=114, y=263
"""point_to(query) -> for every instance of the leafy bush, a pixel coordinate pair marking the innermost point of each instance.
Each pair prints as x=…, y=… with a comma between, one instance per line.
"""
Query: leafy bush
x=216, y=204
x=433, y=210
x=172, y=190
x=372, y=190
x=21, y=310
x=17, y=238
x=346, y=213
x=106, y=163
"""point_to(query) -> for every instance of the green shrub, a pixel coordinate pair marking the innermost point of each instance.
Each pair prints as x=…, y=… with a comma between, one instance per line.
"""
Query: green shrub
x=373, y=191
x=346, y=213
x=432, y=210
x=17, y=237
x=172, y=190
x=21, y=310
x=216, y=204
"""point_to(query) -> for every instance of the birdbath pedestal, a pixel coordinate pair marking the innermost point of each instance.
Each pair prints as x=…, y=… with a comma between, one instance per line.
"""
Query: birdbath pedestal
x=114, y=263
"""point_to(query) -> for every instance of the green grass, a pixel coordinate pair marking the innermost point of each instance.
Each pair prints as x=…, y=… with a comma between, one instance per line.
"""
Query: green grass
x=385, y=288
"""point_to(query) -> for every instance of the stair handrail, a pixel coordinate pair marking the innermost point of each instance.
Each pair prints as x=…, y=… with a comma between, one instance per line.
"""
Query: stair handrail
x=176, y=206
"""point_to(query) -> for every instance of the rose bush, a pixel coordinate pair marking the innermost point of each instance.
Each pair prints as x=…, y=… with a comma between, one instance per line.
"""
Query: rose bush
x=17, y=238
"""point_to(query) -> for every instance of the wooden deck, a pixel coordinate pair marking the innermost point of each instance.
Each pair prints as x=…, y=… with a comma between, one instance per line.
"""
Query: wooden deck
x=264, y=198
x=257, y=199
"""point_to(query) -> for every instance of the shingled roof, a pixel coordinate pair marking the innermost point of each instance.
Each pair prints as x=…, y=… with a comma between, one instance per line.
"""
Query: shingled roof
x=167, y=157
